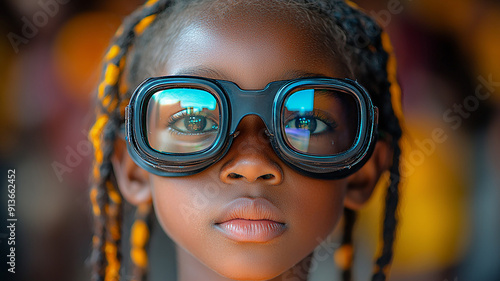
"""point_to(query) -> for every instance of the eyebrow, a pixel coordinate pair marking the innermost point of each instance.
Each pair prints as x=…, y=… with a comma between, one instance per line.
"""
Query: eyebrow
x=208, y=72
x=202, y=71
x=294, y=74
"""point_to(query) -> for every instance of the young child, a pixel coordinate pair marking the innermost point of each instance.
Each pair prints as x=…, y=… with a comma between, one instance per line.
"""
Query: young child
x=255, y=128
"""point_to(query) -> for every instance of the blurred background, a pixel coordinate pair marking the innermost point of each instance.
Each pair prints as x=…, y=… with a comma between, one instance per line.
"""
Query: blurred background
x=448, y=55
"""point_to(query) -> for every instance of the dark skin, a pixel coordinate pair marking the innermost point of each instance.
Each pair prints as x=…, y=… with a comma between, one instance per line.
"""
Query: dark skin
x=250, y=49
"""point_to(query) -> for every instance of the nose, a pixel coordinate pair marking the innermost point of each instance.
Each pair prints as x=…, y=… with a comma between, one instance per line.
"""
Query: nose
x=251, y=157
x=252, y=168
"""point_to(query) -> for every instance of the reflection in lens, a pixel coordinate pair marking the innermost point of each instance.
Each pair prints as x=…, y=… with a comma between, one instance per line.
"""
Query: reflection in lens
x=182, y=120
x=321, y=121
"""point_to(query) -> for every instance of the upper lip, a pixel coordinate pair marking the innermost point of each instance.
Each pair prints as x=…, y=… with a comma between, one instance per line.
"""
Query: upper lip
x=250, y=209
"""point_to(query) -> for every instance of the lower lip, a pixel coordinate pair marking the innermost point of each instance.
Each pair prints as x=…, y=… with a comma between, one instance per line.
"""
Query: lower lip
x=258, y=231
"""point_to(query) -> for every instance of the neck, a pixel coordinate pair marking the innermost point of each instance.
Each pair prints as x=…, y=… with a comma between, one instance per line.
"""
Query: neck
x=190, y=268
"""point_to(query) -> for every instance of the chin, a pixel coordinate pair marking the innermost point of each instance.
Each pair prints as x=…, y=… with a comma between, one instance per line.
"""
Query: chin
x=250, y=276
x=250, y=270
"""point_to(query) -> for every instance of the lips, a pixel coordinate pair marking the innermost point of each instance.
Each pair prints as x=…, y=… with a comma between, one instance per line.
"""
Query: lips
x=251, y=220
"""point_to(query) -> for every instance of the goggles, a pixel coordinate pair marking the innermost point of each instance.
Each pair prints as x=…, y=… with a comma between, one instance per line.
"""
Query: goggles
x=180, y=125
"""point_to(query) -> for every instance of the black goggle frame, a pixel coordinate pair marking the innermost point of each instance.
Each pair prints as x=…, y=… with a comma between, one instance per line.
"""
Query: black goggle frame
x=234, y=104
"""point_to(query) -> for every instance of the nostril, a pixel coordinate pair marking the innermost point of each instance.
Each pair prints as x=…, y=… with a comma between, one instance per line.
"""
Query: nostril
x=234, y=176
x=238, y=176
x=267, y=176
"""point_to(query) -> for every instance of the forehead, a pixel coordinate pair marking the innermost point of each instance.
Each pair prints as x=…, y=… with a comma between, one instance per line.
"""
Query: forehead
x=251, y=43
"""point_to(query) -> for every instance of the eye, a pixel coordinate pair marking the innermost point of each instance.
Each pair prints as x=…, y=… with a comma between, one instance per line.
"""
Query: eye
x=313, y=124
x=192, y=123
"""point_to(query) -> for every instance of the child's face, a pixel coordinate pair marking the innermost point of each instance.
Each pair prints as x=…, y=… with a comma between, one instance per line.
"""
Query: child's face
x=250, y=49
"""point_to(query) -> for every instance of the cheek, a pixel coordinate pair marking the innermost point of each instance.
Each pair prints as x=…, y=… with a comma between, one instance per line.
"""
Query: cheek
x=315, y=209
x=180, y=210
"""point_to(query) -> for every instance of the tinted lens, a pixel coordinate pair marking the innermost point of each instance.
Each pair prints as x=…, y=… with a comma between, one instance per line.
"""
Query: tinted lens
x=182, y=120
x=321, y=121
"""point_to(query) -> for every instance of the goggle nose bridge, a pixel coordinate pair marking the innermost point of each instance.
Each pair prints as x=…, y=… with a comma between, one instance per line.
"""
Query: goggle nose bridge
x=261, y=103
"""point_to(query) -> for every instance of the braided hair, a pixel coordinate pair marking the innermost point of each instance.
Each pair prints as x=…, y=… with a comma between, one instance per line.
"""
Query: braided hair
x=368, y=55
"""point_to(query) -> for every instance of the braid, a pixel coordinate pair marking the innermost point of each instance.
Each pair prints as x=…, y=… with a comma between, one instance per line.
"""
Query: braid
x=390, y=220
x=344, y=255
x=113, y=207
x=98, y=199
x=392, y=196
x=105, y=198
x=139, y=239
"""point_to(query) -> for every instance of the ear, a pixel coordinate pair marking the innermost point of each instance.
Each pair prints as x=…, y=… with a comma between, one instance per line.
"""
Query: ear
x=362, y=183
x=133, y=181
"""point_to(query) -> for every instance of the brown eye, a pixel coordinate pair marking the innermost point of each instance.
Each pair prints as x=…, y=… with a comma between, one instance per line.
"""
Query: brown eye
x=306, y=123
x=193, y=124
x=313, y=124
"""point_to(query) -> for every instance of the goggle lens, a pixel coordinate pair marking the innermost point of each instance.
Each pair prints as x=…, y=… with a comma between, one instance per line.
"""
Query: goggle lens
x=320, y=121
x=182, y=120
